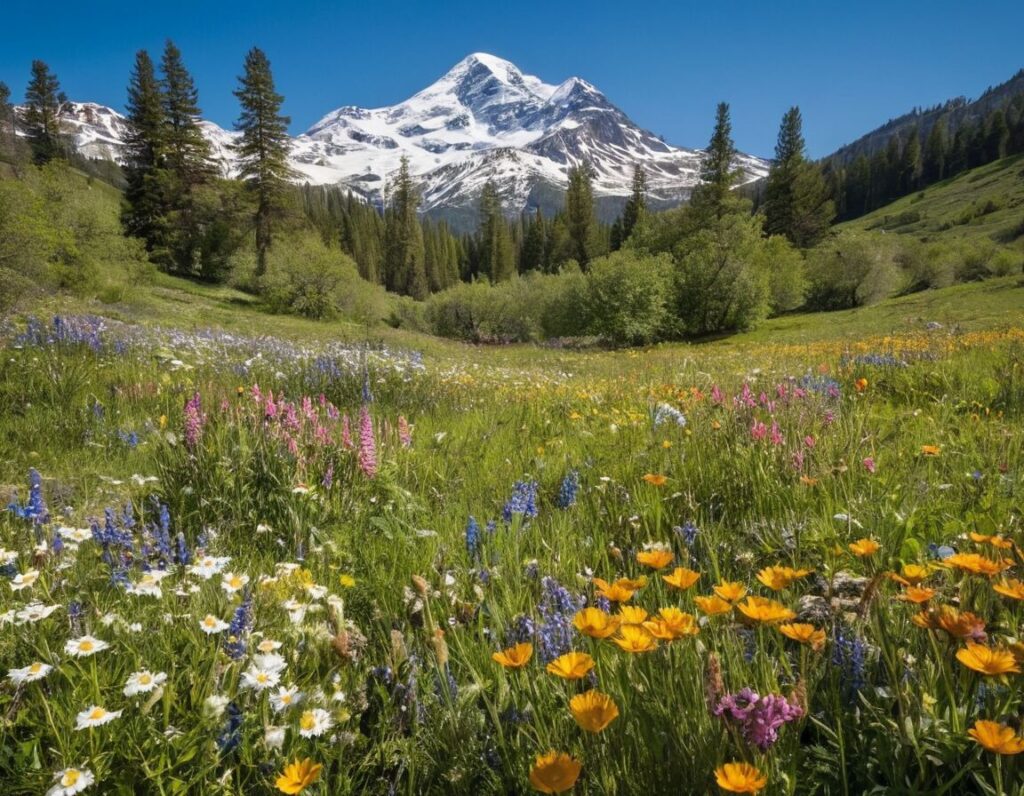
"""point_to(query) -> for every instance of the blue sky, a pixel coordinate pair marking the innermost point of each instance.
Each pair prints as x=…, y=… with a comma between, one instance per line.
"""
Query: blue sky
x=849, y=66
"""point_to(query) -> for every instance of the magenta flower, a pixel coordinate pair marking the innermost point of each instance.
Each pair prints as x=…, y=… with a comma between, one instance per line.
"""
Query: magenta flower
x=194, y=421
x=367, y=444
x=759, y=430
x=776, y=434
x=759, y=717
x=346, y=432
x=869, y=464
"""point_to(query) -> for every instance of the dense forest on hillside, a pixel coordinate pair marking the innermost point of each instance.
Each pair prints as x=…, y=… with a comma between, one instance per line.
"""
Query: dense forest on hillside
x=719, y=264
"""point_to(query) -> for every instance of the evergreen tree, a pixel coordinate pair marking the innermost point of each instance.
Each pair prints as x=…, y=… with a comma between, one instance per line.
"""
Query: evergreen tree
x=187, y=160
x=910, y=163
x=6, y=120
x=933, y=161
x=636, y=206
x=580, y=218
x=796, y=202
x=497, y=254
x=713, y=197
x=997, y=136
x=44, y=103
x=404, y=269
x=263, y=148
x=534, y=239
x=959, y=157
x=144, y=215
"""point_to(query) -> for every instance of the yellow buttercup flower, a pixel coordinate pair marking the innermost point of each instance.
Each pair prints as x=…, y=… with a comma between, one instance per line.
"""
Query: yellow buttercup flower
x=804, y=633
x=656, y=479
x=761, y=609
x=593, y=710
x=554, y=772
x=990, y=661
x=864, y=547
x=632, y=615
x=713, y=605
x=571, y=666
x=1013, y=589
x=633, y=638
x=616, y=592
x=912, y=574
x=671, y=623
x=916, y=594
x=298, y=775
x=976, y=564
x=347, y=581
x=730, y=591
x=595, y=623
x=681, y=578
x=996, y=737
x=778, y=578
x=515, y=657
x=655, y=559
x=740, y=778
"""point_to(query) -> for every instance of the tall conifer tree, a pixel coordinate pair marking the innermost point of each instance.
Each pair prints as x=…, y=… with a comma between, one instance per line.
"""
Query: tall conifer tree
x=636, y=205
x=145, y=210
x=44, y=103
x=581, y=220
x=714, y=194
x=263, y=148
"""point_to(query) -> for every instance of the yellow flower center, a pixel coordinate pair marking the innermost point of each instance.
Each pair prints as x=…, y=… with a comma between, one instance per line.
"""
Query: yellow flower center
x=262, y=677
x=71, y=776
x=145, y=679
x=85, y=646
x=286, y=699
x=97, y=714
x=35, y=668
x=308, y=721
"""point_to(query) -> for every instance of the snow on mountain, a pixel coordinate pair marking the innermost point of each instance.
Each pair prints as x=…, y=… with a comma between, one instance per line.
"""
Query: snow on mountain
x=484, y=119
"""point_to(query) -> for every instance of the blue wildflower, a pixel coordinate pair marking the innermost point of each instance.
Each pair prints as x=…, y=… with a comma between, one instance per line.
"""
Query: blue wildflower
x=473, y=540
x=557, y=608
x=663, y=413
x=523, y=501
x=567, y=491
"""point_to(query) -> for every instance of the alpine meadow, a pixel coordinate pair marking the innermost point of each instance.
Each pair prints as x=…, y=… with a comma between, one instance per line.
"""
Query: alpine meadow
x=487, y=442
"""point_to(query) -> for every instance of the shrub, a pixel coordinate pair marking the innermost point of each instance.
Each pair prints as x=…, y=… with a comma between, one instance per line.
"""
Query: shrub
x=787, y=279
x=304, y=277
x=851, y=269
x=627, y=297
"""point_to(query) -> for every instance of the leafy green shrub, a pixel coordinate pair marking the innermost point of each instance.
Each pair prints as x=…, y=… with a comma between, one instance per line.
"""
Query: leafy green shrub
x=720, y=283
x=627, y=297
x=851, y=269
x=787, y=278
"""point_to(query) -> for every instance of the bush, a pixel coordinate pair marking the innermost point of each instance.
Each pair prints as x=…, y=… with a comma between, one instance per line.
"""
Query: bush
x=852, y=269
x=626, y=300
x=925, y=266
x=304, y=277
x=787, y=278
x=721, y=284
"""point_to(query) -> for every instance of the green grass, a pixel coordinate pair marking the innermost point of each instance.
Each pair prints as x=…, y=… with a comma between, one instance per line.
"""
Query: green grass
x=986, y=203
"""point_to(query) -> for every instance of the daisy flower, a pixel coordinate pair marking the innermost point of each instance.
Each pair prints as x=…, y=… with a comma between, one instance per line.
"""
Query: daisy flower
x=268, y=645
x=71, y=781
x=24, y=579
x=143, y=682
x=233, y=583
x=34, y=612
x=314, y=723
x=30, y=673
x=211, y=624
x=285, y=697
x=149, y=584
x=85, y=646
x=259, y=679
x=95, y=716
x=270, y=661
x=208, y=566
x=75, y=535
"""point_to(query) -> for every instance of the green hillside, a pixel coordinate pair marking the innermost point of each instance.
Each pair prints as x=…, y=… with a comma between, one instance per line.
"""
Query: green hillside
x=984, y=203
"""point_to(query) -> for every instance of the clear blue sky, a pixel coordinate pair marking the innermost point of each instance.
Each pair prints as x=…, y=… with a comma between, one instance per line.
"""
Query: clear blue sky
x=849, y=65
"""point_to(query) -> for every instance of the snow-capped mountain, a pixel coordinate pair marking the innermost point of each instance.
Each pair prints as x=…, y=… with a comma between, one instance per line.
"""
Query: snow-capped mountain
x=484, y=119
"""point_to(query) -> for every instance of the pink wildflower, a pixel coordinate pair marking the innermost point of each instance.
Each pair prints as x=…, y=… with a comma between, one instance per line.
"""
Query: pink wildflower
x=367, y=444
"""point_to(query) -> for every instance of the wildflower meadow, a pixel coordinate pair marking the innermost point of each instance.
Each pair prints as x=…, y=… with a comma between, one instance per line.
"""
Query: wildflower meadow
x=245, y=565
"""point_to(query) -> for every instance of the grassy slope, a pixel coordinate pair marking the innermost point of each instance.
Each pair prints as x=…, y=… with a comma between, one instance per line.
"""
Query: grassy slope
x=951, y=209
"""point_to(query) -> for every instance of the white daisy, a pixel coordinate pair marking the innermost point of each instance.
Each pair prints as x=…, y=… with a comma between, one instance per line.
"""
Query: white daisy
x=34, y=612
x=208, y=566
x=8, y=557
x=143, y=682
x=75, y=535
x=71, y=781
x=85, y=646
x=24, y=579
x=29, y=674
x=270, y=661
x=149, y=584
x=259, y=679
x=211, y=624
x=285, y=697
x=135, y=627
x=314, y=723
x=268, y=645
x=95, y=716
x=232, y=582
x=214, y=705
x=316, y=592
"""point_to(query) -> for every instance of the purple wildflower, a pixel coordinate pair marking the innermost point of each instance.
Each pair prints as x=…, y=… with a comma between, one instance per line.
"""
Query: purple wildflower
x=367, y=444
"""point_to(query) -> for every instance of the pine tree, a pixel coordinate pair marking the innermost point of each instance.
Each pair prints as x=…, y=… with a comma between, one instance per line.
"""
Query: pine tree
x=796, y=201
x=6, y=120
x=997, y=135
x=910, y=163
x=714, y=194
x=404, y=267
x=44, y=103
x=636, y=206
x=146, y=207
x=497, y=254
x=531, y=257
x=959, y=156
x=580, y=217
x=933, y=161
x=263, y=148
